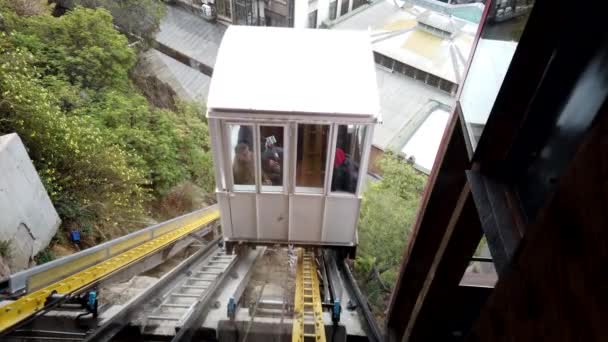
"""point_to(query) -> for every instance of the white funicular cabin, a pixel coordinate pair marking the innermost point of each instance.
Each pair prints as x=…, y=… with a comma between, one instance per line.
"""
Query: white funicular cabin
x=291, y=115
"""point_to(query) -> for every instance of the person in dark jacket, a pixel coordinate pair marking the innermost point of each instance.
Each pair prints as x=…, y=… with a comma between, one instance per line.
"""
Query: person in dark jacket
x=345, y=173
x=272, y=164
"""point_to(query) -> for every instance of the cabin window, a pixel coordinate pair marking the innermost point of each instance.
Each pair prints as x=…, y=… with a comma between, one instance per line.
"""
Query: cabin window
x=272, y=161
x=242, y=156
x=311, y=157
x=347, y=158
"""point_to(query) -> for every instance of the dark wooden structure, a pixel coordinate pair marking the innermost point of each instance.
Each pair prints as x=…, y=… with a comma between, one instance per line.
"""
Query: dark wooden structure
x=536, y=186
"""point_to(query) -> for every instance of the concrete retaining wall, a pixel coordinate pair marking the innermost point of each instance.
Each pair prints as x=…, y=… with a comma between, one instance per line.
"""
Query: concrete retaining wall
x=27, y=216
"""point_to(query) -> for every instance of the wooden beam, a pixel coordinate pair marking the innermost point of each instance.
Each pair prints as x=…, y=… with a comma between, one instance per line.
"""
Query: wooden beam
x=432, y=313
x=439, y=199
x=556, y=289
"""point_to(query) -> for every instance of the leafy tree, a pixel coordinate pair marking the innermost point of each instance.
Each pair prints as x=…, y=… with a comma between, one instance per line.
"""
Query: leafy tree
x=103, y=151
x=140, y=18
x=388, y=211
x=82, y=48
x=78, y=161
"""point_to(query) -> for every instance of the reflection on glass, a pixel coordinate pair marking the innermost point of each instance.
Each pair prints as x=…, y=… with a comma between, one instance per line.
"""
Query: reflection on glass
x=271, y=157
x=499, y=38
x=349, y=147
x=311, y=157
x=241, y=147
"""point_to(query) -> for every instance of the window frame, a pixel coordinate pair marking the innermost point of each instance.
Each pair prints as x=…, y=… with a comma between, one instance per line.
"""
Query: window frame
x=306, y=190
x=285, y=164
x=228, y=157
x=365, y=150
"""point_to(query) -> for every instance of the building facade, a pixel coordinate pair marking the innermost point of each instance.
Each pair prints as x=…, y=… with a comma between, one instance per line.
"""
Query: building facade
x=321, y=13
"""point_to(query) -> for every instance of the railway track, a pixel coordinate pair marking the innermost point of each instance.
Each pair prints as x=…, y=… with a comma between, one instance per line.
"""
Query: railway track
x=63, y=283
x=176, y=305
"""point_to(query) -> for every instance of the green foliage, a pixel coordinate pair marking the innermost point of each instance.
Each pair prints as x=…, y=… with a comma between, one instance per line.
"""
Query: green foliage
x=76, y=160
x=400, y=178
x=45, y=256
x=387, y=213
x=5, y=248
x=82, y=48
x=101, y=150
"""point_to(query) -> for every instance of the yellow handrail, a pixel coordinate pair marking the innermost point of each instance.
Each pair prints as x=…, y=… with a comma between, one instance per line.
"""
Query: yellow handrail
x=28, y=305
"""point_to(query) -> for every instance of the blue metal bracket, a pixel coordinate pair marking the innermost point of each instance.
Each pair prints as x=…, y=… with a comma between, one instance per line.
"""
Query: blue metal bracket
x=231, y=308
x=336, y=311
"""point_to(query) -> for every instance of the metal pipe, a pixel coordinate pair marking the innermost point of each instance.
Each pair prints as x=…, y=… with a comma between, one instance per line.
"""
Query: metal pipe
x=326, y=293
x=374, y=333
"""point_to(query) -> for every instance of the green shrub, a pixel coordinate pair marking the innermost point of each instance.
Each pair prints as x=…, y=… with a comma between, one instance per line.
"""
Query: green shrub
x=45, y=256
x=5, y=248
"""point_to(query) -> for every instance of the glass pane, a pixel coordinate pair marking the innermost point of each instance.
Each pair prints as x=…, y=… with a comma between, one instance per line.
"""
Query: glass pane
x=271, y=157
x=499, y=38
x=349, y=148
x=241, y=147
x=312, y=157
x=332, y=10
x=344, y=8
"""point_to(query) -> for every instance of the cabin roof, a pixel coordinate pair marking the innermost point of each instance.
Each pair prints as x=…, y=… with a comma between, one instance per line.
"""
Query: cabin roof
x=303, y=71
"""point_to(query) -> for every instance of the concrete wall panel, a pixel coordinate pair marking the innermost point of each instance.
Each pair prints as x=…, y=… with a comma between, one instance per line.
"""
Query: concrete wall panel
x=27, y=216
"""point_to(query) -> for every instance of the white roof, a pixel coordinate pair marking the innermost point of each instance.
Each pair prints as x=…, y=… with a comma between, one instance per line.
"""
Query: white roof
x=424, y=144
x=395, y=34
x=295, y=71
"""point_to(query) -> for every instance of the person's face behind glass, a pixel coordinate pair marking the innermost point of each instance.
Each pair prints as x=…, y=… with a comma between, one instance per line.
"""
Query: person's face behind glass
x=244, y=155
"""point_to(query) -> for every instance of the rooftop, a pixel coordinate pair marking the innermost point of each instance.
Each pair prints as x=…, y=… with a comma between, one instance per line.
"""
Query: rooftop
x=405, y=103
x=313, y=72
x=402, y=33
x=423, y=145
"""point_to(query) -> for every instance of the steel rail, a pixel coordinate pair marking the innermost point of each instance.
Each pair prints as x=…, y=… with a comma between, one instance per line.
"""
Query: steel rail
x=41, y=276
x=28, y=305
x=134, y=307
x=374, y=334
x=191, y=324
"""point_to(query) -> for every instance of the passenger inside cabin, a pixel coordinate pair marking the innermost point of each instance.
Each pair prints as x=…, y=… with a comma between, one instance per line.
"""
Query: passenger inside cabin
x=272, y=160
x=346, y=164
x=345, y=173
x=242, y=165
x=246, y=136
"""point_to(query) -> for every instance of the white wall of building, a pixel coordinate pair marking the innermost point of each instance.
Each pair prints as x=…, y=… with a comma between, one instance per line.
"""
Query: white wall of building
x=27, y=216
x=305, y=7
x=301, y=14
x=323, y=11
